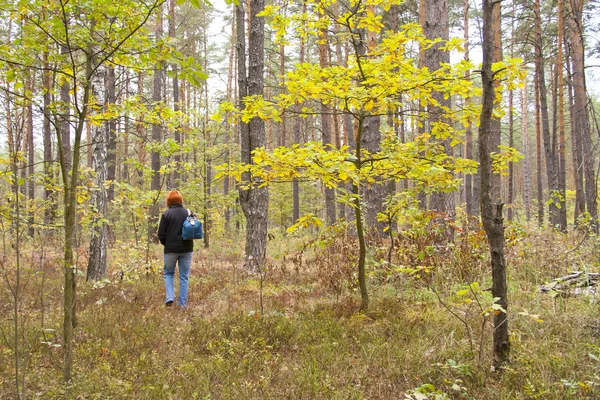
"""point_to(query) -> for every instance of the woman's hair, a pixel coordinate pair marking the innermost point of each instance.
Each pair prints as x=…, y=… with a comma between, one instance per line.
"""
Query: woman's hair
x=174, y=197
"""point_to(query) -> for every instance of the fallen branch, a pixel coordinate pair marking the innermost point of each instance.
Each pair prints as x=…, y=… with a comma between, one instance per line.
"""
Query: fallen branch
x=573, y=284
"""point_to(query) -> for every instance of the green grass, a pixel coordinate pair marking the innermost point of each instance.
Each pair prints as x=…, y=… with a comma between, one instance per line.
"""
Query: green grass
x=310, y=343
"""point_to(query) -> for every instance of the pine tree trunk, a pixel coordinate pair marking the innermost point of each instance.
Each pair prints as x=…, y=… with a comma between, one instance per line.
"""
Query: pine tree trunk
x=551, y=172
x=540, y=172
x=437, y=26
x=326, y=124
x=254, y=202
x=576, y=148
x=582, y=123
x=496, y=132
x=526, y=154
x=230, y=97
x=562, y=165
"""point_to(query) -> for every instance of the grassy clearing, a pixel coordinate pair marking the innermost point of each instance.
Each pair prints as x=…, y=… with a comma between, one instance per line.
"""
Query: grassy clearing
x=309, y=343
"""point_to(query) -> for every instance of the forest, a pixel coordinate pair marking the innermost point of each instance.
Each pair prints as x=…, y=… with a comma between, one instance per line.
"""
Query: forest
x=399, y=199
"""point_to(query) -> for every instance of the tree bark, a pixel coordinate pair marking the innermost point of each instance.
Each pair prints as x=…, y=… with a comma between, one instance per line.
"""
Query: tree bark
x=175, y=81
x=496, y=132
x=255, y=201
x=100, y=148
x=157, y=132
x=111, y=130
x=511, y=167
x=580, y=110
x=562, y=165
x=526, y=154
x=540, y=172
x=470, y=200
x=551, y=171
x=49, y=211
x=326, y=124
x=30, y=158
x=65, y=117
x=437, y=26
x=492, y=216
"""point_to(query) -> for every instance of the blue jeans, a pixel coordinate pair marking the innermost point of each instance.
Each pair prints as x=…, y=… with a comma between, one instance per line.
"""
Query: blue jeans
x=185, y=261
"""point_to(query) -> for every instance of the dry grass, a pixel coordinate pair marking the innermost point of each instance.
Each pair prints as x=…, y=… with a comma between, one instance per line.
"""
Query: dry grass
x=309, y=343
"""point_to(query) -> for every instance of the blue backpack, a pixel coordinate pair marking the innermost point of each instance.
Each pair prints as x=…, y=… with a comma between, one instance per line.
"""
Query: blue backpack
x=192, y=227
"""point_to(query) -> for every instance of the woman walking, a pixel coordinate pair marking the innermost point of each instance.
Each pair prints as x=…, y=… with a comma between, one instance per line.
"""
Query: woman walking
x=177, y=250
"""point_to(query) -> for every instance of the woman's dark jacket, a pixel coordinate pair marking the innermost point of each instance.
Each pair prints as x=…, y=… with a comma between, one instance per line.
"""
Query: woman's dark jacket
x=169, y=230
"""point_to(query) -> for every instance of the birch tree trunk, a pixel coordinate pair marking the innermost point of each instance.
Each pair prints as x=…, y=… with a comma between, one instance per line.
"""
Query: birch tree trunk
x=111, y=131
x=49, y=211
x=100, y=138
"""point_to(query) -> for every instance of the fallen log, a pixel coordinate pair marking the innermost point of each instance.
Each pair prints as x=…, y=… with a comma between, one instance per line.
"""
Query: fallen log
x=576, y=283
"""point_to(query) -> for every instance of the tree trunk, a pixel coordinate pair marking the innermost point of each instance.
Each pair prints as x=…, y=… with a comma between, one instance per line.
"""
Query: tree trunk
x=526, y=154
x=157, y=131
x=65, y=116
x=562, y=165
x=30, y=158
x=580, y=111
x=470, y=200
x=551, y=172
x=230, y=97
x=437, y=26
x=540, y=172
x=177, y=131
x=49, y=211
x=374, y=195
x=496, y=132
x=298, y=137
x=70, y=181
x=112, y=135
x=492, y=214
x=326, y=122
x=511, y=167
x=254, y=202
x=100, y=139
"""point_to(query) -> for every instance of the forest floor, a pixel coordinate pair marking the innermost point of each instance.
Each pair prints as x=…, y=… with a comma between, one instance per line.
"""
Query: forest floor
x=427, y=334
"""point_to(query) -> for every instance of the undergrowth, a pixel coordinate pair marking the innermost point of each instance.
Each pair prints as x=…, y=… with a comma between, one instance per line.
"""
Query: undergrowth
x=426, y=337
